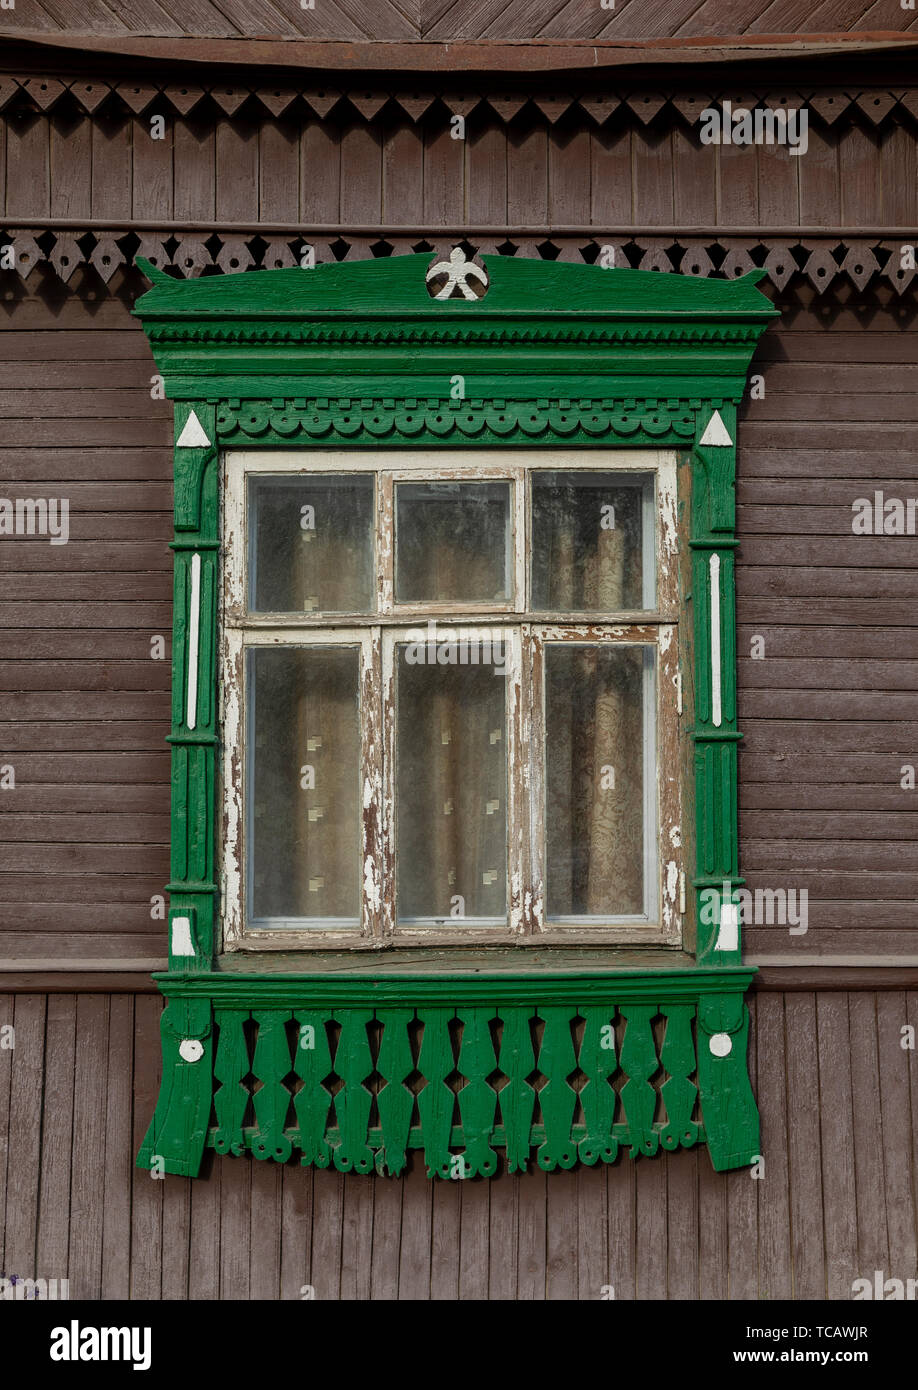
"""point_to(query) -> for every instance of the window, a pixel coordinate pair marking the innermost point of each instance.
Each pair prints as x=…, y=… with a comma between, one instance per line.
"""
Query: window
x=451, y=697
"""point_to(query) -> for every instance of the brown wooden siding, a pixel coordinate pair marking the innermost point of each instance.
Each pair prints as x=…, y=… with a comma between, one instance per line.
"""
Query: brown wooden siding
x=395, y=170
x=839, y=1103
x=460, y=19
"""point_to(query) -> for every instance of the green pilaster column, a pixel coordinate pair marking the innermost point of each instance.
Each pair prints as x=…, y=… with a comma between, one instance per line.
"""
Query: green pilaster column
x=175, y=1140
x=715, y=734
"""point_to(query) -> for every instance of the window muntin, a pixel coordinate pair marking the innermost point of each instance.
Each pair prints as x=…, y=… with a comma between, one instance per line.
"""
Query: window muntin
x=640, y=485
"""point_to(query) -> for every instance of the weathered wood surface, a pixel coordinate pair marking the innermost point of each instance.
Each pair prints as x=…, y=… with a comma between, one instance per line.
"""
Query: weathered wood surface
x=838, y=1199
x=473, y=19
x=296, y=170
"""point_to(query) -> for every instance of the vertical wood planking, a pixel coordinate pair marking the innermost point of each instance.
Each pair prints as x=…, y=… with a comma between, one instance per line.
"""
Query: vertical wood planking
x=474, y=1208
x=713, y=1255
x=70, y=165
x=622, y=1209
x=236, y=164
x=87, y=1177
x=898, y=158
x=320, y=173
x=527, y=173
x=836, y=1120
x=737, y=185
x=804, y=1147
x=503, y=1247
x=27, y=166
x=23, y=1162
x=742, y=1206
x=7, y=1009
x=402, y=171
x=328, y=1201
x=357, y=1237
x=444, y=1241
x=652, y=172
x=296, y=1231
x=694, y=180
x=204, y=1231
x=146, y=1190
x=561, y=1236
x=194, y=179
x=530, y=1274
x=818, y=175
x=444, y=176
x=112, y=179
x=892, y=1016
x=593, y=1224
x=870, y=1186
x=278, y=171
x=154, y=162
x=119, y=1150
x=778, y=189
x=860, y=176
x=52, y=1251
x=236, y=1228
x=387, y=1236
x=265, y=1243
x=611, y=191
x=682, y=1223
x=361, y=174
x=416, y=1243
x=650, y=1227
x=775, y=1265
x=486, y=172
x=569, y=173
x=176, y=1238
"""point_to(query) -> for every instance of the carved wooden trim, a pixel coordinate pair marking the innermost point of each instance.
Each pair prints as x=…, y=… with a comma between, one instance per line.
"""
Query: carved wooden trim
x=825, y=261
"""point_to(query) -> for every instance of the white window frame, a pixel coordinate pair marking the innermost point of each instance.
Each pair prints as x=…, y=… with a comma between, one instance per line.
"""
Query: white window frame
x=377, y=632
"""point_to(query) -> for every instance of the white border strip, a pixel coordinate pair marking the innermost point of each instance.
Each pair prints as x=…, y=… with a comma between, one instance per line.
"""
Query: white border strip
x=716, y=715
x=194, y=627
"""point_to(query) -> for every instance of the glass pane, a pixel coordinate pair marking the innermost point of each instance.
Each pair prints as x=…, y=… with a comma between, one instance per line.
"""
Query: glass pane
x=452, y=542
x=594, y=787
x=311, y=545
x=451, y=793
x=590, y=545
x=303, y=784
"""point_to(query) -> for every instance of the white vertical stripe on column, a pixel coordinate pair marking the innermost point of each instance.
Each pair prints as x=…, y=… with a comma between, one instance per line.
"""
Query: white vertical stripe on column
x=716, y=715
x=194, y=627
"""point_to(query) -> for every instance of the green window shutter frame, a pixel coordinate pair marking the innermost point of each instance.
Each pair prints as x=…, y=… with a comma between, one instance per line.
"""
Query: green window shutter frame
x=361, y=355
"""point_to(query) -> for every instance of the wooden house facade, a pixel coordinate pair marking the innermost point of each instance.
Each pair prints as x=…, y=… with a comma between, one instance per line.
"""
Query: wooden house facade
x=280, y=138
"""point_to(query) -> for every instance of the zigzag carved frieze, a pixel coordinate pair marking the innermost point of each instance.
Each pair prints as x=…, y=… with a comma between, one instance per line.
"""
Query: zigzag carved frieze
x=828, y=106
x=825, y=260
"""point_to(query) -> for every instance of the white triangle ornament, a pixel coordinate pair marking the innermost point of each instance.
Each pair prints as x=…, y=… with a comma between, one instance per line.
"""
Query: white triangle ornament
x=716, y=433
x=193, y=436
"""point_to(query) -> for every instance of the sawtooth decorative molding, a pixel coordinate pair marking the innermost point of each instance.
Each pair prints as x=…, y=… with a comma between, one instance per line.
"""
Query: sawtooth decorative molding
x=367, y=102
x=825, y=260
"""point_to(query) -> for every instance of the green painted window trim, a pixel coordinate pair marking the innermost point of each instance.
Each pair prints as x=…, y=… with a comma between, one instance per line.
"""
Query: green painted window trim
x=360, y=356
